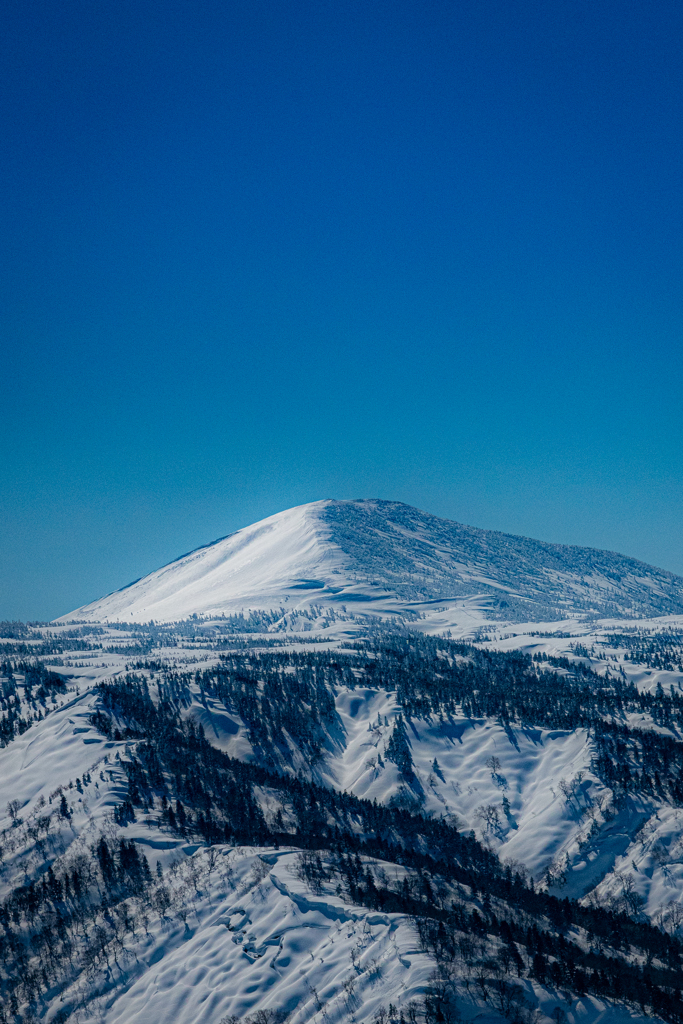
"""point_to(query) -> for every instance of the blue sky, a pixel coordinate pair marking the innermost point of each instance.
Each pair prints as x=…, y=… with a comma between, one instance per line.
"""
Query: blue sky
x=259, y=253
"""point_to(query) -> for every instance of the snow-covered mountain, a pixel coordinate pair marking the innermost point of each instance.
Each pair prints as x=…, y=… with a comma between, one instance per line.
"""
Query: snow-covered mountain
x=354, y=558
x=227, y=798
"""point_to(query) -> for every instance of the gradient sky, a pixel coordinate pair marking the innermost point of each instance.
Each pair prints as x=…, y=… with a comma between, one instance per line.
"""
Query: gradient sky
x=259, y=253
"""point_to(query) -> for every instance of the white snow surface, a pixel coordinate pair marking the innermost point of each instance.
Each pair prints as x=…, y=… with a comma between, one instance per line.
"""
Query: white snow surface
x=253, y=568
x=259, y=939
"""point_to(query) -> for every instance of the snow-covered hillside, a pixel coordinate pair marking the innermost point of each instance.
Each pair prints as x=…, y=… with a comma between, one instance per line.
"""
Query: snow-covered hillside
x=519, y=808
x=234, y=932
x=350, y=559
x=254, y=927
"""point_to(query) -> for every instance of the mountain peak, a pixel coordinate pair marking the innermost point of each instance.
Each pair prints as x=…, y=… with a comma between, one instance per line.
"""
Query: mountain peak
x=383, y=556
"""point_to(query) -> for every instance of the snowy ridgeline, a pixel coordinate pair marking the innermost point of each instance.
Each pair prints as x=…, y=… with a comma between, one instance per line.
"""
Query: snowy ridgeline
x=351, y=561
x=198, y=934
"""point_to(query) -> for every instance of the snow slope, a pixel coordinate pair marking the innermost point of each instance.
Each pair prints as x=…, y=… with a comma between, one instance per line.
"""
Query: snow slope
x=355, y=558
x=248, y=933
x=647, y=874
x=255, y=936
x=534, y=823
x=537, y=824
x=260, y=939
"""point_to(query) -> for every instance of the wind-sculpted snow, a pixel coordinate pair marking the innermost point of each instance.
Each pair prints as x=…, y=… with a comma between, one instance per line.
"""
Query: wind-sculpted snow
x=225, y=932
x=238, y=934
x=646, y=872
x=525, y=792
x=519, y=808
x=257, y=938
x=321, y=566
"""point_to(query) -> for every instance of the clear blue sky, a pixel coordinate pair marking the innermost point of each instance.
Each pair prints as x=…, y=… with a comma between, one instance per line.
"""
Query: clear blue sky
x=260, y=252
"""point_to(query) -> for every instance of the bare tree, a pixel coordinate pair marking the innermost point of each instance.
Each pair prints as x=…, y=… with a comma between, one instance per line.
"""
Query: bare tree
x=211, y=862
x=488, y=814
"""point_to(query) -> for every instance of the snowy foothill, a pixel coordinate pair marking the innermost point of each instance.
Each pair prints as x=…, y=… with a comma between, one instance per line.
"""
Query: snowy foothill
x=530, y=794
x=523, y=791
x=240, y=930
x=542, y=806
x=259, y=938
x=519, y=808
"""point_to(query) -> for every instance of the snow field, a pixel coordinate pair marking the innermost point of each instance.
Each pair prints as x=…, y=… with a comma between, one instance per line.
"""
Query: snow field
x=257, y=938
x=540, y=822
x=542, y=825
x=58, y=749
x=648, y=873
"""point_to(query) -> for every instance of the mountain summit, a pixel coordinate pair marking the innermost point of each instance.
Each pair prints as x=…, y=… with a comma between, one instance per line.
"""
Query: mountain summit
x=379, y=557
